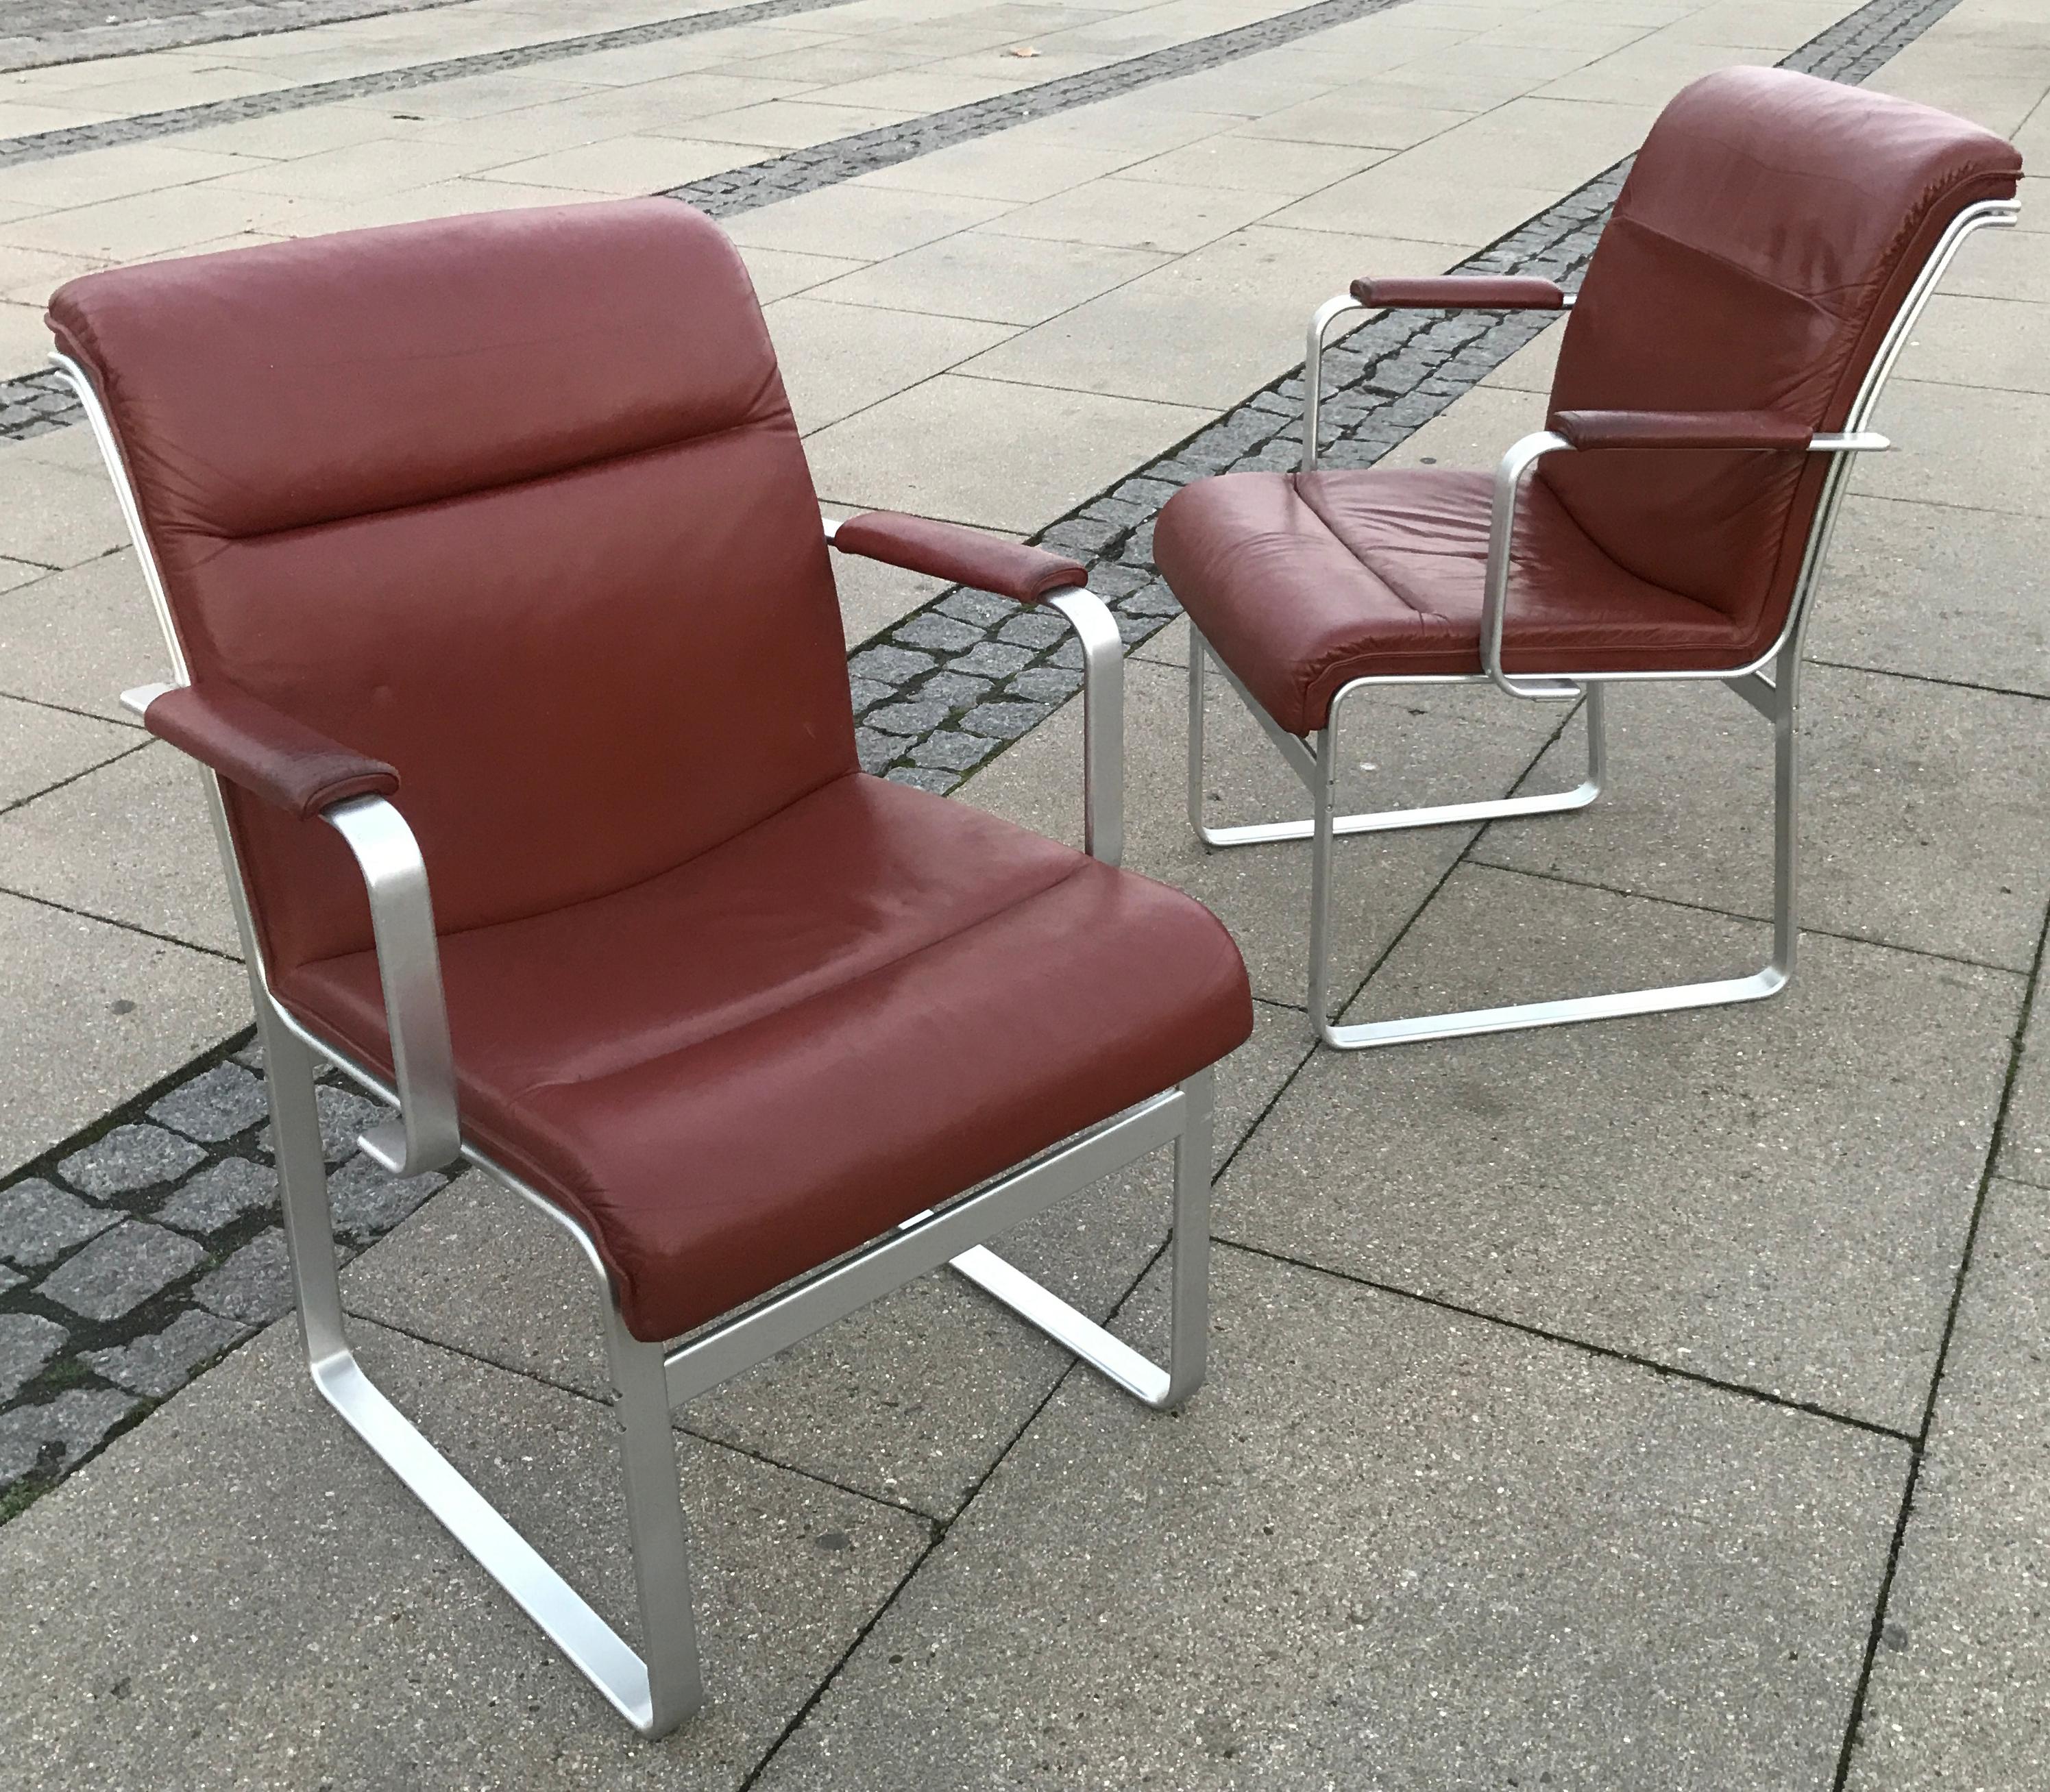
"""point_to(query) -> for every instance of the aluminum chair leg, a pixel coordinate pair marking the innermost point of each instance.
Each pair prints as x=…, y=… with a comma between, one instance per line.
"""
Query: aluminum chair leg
x=1500, y=808
x=1189, y=1258
x=653, y=1703
x=1779, y=700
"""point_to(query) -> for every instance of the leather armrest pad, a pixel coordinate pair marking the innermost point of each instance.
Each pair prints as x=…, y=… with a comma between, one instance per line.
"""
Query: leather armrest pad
x=264, y=751
x=1009, y=569
x=1461, y=292
x=1682, y=429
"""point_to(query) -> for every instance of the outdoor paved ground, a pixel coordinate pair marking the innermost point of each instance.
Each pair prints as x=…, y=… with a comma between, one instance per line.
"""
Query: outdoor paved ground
x=1653, y=1405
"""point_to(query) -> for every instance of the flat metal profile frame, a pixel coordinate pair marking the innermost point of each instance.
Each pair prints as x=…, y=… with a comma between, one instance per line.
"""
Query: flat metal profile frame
x=657, y=1689
x=1769, y=684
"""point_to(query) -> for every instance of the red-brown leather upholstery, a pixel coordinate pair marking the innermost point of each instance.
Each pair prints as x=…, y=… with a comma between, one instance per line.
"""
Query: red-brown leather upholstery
x=1766, y=432
x=1011, y=569
x=1461, y=292
x=514, y=504
x=266, y=754
x=1768, y=231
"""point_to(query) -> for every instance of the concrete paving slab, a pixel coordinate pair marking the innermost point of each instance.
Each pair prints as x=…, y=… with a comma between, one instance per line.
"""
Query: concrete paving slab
x=1388, y=123
x=55, y=517
x=1968, y=340
x=1156, y=215
x=1530, y=369
x=993, y=167
x=2025, y=1142
x=114, y=1011
x=1925, y=823
x=1266, y=163
x=872, y=596
x=840, y=358
x=2001, y=264
x=1923, y=589
x=797, y=124
x=1941, y=435
x=40, y=746
x=1262, y=894
x=1960, y=1691
x=1386, y=1546
x=1381, y=204
x=863, y=223
x=280, y=1563
x=1206, y=329
x=130, y=843
x=979, y=275
x=78, y=639
x=1775, y=1195
x=910, y=1401
x=1037, y=451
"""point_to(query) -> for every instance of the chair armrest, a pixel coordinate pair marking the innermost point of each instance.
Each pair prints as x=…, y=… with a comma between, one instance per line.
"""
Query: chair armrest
x=1031, y=575
x=1439, y=292
x=1762, y=431
x=259, y=749
x=964, y=556
x=283, y=762
x=1461, y=292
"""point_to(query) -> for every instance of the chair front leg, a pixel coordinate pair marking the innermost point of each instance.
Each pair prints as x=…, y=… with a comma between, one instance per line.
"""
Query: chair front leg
x=655, y=1696
x=1377, y=821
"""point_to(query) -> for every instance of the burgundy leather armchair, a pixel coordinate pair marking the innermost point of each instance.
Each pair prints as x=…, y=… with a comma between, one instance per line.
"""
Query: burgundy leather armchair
x=1770, y=252
x=486, y=552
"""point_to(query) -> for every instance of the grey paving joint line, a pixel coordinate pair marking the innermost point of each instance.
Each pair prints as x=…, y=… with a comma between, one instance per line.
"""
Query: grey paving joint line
x=139, y=1251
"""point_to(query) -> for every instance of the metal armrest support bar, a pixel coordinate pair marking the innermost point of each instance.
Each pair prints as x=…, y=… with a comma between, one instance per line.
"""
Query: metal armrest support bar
x=1102, y=704
x=1328, y=314
x=1510, y=476
x=426, y=1135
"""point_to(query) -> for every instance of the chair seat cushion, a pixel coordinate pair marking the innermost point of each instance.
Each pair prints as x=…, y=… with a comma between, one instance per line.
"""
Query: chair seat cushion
x=738, y=1069
x=1302, y=582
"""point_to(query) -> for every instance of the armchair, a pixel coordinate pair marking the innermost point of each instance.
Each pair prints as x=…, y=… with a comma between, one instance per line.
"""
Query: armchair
x=1768, y=257
x=487, y=547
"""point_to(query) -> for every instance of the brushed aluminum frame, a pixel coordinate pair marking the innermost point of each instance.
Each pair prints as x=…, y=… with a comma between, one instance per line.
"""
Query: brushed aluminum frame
x=656, y=1690
x=1769, y=684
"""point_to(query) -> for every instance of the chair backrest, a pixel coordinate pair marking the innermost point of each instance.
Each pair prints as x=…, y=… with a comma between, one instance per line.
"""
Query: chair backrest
x=1766, y=238
x=514, y=502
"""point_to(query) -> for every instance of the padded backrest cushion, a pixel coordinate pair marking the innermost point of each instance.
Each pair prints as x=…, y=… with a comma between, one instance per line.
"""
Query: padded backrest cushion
x=514, y=502
x=1766, y=237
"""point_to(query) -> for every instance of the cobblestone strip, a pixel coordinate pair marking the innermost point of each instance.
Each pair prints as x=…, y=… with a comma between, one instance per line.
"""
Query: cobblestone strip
x=958, y=678
x=133, y=1255
x=26, y=408
x=43, y=33
x=40, y=146
x=826, y=164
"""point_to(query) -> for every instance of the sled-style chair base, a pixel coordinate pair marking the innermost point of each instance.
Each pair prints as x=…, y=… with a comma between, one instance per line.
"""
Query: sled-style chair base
x=659, y=1691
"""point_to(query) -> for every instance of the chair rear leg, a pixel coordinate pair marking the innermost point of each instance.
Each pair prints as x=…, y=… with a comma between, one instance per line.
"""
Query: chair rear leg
x=1189, y=1267
x=1663, y=1000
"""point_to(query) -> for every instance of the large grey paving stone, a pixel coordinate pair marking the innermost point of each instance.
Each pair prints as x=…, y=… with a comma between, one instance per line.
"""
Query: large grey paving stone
x=1262, y=893
x=238, y=1594
x=1925, y=818
x=909, y=1400
x=2025, y=1150
x=1775, y=1194
x=98, y=1014
x=79, y=638
x=131, y=843
x=1941, y=592
x=1960, y=1691
x=1385, y=1547
x=40, y=746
